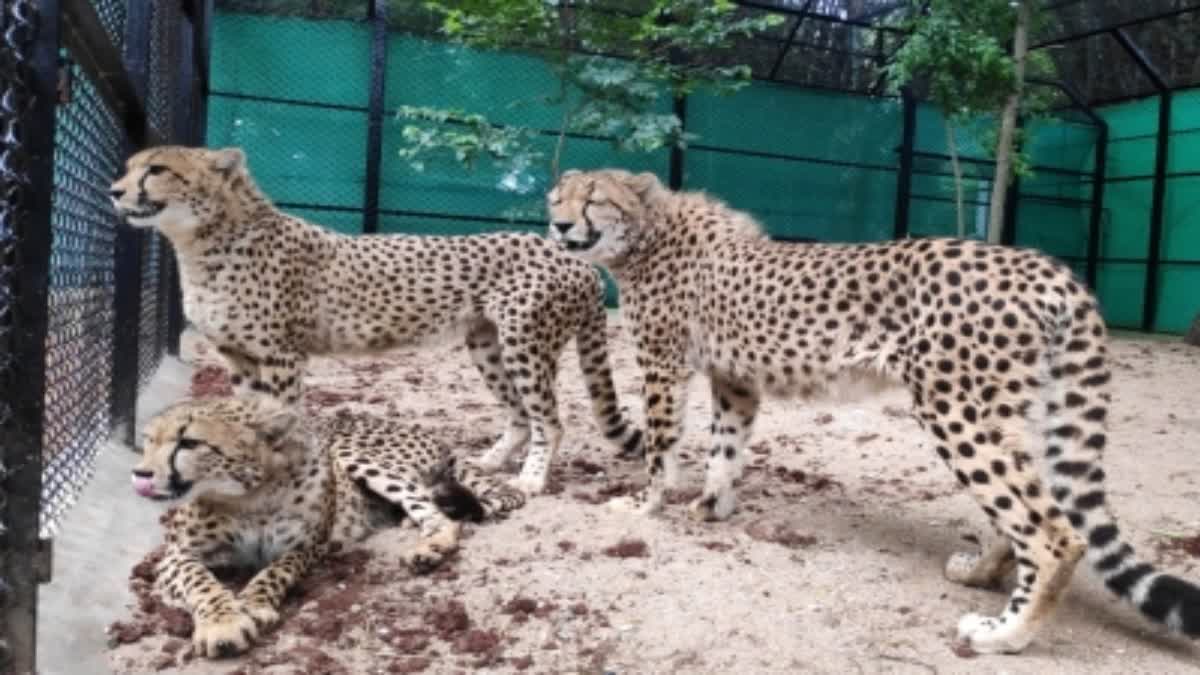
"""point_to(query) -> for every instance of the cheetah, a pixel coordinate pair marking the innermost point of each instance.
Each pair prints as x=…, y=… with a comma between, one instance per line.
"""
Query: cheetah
x=264, y=490
x=269, y=290
x=1002, y=350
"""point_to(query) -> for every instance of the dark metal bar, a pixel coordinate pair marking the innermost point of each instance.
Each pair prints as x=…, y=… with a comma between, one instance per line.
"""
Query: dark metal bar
x=789, y=158
x=1112, y=27
x=184, y=131
x=986, y=162
x=1157, y=208
x=904, y=175
x=286, y=101
x=127, y=289
x=1142, y=59
x=84, y=35
x=459, y=216
x=1072, y=94
x=377, y=16
x=675, y=179
x=1095, y=218
x=788, y=44
x=21, y=435
x=203, y=47
x=792, y=11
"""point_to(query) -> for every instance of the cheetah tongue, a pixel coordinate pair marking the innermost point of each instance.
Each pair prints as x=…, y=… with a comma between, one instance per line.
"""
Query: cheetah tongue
x=144, y=486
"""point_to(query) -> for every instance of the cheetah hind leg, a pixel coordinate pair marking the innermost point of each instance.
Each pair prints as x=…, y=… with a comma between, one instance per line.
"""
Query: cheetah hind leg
x=407, y=487
x=483, y=343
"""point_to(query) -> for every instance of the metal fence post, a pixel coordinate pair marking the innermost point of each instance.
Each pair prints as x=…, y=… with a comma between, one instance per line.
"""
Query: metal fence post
x=1157, y=209
x=900, y=227
x=377, y=17
x=129, y=246
x=1096, y=217
x=31, y=82
x=675, y=180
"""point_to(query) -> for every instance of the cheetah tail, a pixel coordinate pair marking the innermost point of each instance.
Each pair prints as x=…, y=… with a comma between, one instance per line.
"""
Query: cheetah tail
x=592, y=344
x=1075, y=436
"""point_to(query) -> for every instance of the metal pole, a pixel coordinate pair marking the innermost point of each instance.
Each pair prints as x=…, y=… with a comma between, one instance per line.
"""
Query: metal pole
x=675, y=179
x=377, y=16
x=24, y=384
x=1097, y=214
x=1157, y=204
x=128, y=254
x=904, y=175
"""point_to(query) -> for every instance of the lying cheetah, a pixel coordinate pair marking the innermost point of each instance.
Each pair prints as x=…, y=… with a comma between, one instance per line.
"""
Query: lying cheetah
x=265, y=491
x=270, y=290
x=1002, y=350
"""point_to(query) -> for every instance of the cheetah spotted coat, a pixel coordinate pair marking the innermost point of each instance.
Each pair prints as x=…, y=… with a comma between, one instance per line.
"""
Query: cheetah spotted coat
x=1002, y=350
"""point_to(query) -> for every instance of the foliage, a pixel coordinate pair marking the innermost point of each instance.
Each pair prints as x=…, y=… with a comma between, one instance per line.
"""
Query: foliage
x=957, y=53
x=614, y=68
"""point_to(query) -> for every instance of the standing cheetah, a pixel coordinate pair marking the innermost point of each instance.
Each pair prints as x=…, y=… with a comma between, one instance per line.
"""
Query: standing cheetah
x=270, y=290
x=264, y=490
x=1002, y=350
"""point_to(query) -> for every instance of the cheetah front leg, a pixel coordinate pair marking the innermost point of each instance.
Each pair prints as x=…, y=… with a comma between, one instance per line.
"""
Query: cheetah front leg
x=222, y=627
x=406, y=486
x=665, y=392
x=262, y=596
x=734, y=408
x=986, y=569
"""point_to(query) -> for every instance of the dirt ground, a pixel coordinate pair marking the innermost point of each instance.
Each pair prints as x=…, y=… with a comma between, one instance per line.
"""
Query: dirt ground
x=831, y=564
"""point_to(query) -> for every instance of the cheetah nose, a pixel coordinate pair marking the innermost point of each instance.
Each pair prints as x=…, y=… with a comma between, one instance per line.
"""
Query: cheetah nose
x=116, y=194
x=142, y=473
x=563, y=226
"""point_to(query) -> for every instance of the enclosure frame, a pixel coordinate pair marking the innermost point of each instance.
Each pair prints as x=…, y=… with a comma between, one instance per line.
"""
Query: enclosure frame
x=119, y=72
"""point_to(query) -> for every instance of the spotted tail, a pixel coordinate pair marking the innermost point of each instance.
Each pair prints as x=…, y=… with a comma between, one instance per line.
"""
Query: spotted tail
x=1076, y=437
x=592, y=344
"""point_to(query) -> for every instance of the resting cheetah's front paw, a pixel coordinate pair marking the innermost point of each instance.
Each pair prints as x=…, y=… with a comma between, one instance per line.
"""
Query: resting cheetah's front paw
x=263, y=613
x=713, y=507
x=992, y=635
x=224, y=634
x=432, y=550
x=528, y=484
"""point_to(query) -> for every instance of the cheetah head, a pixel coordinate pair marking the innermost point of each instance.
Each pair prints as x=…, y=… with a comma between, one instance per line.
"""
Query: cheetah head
x=214, y=448
x=166, y=187
x=600, y=215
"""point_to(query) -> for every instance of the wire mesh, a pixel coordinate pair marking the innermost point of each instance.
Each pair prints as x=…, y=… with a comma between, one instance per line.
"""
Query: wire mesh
x=152, y=332
x=112, y=16
x=89, y=152
x=165, y=21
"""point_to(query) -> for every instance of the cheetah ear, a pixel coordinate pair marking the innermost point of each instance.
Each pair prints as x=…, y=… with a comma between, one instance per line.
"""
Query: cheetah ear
x=274, y=422
x=644, y=183
x=228, y=160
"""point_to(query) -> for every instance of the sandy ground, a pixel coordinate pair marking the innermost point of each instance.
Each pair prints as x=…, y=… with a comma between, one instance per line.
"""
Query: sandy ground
x=832, y=563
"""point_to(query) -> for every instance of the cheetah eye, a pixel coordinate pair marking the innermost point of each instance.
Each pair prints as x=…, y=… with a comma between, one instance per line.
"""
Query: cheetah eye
x=189, y=443
x=156, y=169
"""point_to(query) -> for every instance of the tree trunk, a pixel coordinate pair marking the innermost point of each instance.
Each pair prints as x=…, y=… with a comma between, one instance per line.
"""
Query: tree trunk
x=952, y=148
x=1008, y=126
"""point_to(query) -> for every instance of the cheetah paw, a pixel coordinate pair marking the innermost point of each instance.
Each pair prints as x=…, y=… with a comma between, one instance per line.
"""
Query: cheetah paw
x=712, y=507
x=636, y=505
x=434, y=549
x=992, y=635
x=528, y=485
x=264, y=615
x=225, y=635
x=960, y=567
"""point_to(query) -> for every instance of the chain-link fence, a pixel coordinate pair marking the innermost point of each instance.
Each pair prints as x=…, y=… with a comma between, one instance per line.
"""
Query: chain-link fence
x=85, y=302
